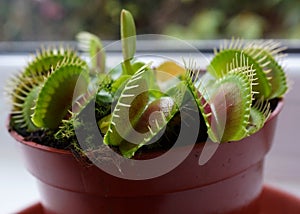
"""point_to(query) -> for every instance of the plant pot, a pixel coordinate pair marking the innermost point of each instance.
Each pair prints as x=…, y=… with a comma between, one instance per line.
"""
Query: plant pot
x=230, y=182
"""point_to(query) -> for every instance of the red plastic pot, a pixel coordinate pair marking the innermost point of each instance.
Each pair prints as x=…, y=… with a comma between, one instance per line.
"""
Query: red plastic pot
x=230, y=182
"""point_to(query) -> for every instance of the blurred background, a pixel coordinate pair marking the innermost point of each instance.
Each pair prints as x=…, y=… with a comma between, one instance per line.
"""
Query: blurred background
x=40, y=20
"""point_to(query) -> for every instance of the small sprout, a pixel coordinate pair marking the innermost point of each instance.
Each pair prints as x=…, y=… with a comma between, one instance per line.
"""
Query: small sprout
x=104, y=124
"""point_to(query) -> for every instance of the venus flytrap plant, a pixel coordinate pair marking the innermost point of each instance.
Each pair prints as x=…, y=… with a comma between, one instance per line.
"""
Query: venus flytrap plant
x=134, y=106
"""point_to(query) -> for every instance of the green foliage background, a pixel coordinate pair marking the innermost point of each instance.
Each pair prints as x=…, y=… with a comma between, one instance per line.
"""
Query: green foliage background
x=188, y=19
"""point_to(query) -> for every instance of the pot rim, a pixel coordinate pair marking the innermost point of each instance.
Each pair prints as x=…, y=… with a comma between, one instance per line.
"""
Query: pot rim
x=21, y=139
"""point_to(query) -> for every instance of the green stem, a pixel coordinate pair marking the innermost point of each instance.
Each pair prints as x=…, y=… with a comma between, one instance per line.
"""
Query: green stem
x=128, y=67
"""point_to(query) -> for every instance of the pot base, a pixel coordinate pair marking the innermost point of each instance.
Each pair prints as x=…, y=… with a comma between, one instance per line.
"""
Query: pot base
x=271, y=201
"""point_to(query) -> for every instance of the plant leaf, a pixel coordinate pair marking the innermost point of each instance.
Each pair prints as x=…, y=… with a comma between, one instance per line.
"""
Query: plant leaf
x=45, y=59
x=92, y=44
x=259, y=114
x=28, y=109
x=266, y=52
x=134, y=123
x=56, y=95
x=128, y=35
x=129, y=108
x=34, y=75
x=218, y=68
x=226, y=105
x=156, y=117
x=168, y=70
x=153, y=120
x=232, y=97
